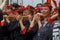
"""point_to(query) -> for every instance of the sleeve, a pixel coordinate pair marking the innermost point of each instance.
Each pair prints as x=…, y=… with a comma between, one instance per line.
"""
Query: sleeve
x=26, y=23
x=13, y=25
x=50, y=20
x=23, y=31
x=46, y=32
x=34, y=29
x=30, y=28
x=2, y=23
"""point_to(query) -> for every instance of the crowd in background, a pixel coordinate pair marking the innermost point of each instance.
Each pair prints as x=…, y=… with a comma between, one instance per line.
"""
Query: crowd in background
x=28, y=23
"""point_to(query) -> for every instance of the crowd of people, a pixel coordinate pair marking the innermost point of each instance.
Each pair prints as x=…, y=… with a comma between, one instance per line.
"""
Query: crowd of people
x=28, y=23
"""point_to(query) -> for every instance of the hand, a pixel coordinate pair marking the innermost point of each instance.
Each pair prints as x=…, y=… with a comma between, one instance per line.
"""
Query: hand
x=37, y=17
x=18, y=17
x=40, y=14
x=30, y=18
x=8, y=20
x=54, y=16
x=21, y=18
x=34, y=18
x=3, y=4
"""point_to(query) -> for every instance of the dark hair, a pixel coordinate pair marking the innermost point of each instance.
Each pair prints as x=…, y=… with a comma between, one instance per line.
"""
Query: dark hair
x=15, y=5
x=31, y=10
x=20, y=12
x=39, y=4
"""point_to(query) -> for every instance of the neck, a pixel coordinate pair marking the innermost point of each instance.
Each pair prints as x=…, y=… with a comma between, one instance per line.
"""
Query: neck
x=46, y=16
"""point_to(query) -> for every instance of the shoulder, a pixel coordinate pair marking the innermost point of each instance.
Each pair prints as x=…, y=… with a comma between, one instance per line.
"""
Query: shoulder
x=56, y=23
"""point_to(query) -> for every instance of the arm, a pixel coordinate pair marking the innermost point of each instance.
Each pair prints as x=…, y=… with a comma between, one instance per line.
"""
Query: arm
x=32, y=24
x=23, y=29
x=52, y=18
x=3, y=4
x=39, y=24
x=38, y=17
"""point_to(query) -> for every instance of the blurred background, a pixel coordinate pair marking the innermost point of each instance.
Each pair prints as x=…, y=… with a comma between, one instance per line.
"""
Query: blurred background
x=30, y=2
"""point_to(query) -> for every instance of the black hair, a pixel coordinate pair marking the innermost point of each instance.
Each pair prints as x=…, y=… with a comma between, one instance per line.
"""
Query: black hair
x=15, y=5
x=31, y=10
x=20, y=12
x=39, y=4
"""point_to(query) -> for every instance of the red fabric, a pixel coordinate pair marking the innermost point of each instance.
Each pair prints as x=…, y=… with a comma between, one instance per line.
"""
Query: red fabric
x=20, y=8
x=30, y=28
x=36, y=9
x=23, y=8
x=24, y=31
x=9, y=6
x=46, y=5
x=2, y=23
x=28, y=7
x=54, y=3
x=50, y=20
x=17, y=10
x=55, y=10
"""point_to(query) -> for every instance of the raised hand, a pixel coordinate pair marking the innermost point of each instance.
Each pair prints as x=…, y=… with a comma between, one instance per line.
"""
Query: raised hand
x=18, y=17
x=3, y=4
x=30, y=18
x=54, y=16
x=38, y=19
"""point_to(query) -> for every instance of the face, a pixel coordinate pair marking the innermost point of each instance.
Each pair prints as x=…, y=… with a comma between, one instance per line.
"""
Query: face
x=45, y=11
x=26, y=12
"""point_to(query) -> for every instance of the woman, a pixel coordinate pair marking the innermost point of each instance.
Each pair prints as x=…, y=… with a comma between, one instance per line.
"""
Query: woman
x=25, y=22
x=45, y=31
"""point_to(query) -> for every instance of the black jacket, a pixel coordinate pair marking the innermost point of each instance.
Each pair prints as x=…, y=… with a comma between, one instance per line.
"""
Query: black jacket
x=45, y=32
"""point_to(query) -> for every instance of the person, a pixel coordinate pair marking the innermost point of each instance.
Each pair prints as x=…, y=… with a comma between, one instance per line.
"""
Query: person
x=56, y=26
x=25, y=21
x=1, y=7
x=47, y=25
x=45, y=28
x=2, y=21
x=39, y=5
